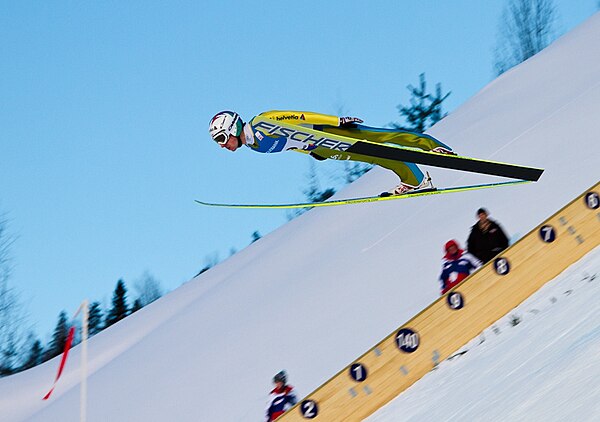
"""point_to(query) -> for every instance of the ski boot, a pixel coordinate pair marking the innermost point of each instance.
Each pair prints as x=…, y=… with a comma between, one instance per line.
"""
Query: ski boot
x=405, y=188
x=442, y=150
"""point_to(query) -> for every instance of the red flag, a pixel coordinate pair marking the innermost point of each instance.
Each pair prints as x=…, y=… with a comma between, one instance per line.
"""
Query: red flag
x=63, y=360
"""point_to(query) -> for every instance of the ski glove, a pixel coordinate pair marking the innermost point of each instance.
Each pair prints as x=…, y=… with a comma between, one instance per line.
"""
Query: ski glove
x=347, y=121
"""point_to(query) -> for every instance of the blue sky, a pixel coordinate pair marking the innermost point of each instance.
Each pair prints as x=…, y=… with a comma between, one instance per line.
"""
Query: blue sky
x=104, y=110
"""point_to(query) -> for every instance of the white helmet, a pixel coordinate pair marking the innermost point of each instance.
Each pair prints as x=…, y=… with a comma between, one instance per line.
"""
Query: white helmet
x=224, y=124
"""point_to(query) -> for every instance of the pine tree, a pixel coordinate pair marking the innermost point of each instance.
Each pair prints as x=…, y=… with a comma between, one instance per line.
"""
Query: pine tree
x=95, y=319
x=313, y=191
x=119, y=308
x=425, y=109
x=255, y=236
x=354, y=169
x=209, y=262
x=8, y=357
x=137, y=305
x=202, y=270
x=35, y=356
x=59, y=338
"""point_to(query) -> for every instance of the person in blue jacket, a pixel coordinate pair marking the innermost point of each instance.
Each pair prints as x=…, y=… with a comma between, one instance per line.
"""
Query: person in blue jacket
x=456, y=265
x=282, y=397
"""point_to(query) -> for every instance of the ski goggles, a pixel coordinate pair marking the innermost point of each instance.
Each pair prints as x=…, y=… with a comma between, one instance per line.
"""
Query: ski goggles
x=221, y=137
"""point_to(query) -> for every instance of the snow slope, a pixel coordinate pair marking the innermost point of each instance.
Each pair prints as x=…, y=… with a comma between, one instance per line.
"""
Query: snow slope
x=545, y=368
x=319, y=291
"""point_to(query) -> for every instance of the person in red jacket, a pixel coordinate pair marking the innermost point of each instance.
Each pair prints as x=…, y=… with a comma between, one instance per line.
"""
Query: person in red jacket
x=456, y=265
x=282, y=397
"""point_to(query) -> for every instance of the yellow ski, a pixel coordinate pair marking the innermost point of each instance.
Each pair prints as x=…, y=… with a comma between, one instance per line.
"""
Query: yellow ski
x=367, y=199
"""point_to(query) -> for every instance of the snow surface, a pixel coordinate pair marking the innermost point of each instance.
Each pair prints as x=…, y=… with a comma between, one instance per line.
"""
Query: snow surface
x=545, y=368
x=318, y=292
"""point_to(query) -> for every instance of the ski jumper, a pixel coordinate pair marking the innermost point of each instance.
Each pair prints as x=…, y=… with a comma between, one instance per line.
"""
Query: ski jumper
x=261, y=141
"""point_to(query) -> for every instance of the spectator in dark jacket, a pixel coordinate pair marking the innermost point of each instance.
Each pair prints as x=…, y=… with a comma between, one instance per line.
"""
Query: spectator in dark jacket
x=487, y=239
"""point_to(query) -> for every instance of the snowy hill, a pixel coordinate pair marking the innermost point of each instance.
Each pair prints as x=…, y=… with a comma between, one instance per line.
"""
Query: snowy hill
x=319, y=291
x=544, y=368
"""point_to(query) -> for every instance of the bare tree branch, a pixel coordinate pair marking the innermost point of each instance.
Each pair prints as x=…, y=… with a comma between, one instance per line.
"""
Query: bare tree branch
x=148, y=289
x=13, y=317
x=527, y=27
